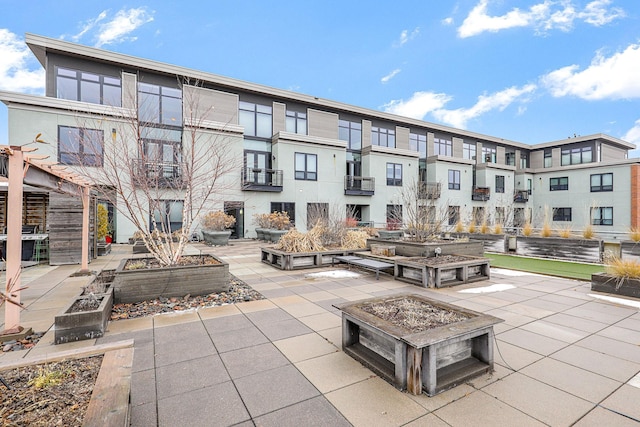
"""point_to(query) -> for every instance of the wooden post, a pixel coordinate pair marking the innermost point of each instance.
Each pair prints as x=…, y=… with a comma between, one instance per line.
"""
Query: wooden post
x=414, y=370
x=14, y=240
x=85, y=229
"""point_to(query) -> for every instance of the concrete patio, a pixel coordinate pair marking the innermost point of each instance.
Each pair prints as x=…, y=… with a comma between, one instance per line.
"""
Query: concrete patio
x=563, y=356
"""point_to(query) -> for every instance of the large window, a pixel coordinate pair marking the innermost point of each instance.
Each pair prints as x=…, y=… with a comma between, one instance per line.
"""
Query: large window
x=350, y=132
x=78, y=146
x=394, y=174
x=159, y=104
x=454, y=179
x=601, y=182
x=548, y=159
x=256, y=119
x=468, y=151
x=562, y=214
x=88, y=87
x=602, y=216
x=162, y=152
x=307, y=166
x=510, y=158
x=418, y=142
x=524, y=160
x=489, y=154
x=499, y=183
x=442, y=146
x=557, y=184
x=383, y=137
x=289, y=208
x=166, y=216
x=454, y=214
x=296, y=122
x=576, y=156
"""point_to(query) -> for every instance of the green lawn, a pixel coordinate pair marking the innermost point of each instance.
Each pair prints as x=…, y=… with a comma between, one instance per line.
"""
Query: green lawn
x=570, y=270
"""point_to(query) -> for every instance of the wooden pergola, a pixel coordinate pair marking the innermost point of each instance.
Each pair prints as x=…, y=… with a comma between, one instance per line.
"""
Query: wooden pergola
x=21, y=168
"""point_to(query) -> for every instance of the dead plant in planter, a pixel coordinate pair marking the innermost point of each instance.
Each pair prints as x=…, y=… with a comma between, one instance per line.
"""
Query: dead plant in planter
x=622, y=269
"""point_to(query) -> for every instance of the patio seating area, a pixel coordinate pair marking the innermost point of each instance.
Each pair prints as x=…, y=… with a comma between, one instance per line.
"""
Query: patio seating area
x=563, y=355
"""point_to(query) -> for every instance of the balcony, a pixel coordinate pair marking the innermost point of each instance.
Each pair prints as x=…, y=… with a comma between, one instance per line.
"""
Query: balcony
x=157, y=174
x=481, y=194
x=259, y=179
x=521, y=196
x=359, y=185
x=429, y=190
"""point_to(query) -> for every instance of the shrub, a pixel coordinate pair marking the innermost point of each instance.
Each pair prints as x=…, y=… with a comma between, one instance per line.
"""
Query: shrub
x=565, y=232
x=217, y=221
x=546, y=230
x=279, y=220
x=623, y=269
x=262, y=220
x=472, y=227
x=527, y=229
x=497, y=229
x=350, y=222
x=588, y=232
x=634, y=234
x=459, y=227
x=484, y=228
x=103, y=222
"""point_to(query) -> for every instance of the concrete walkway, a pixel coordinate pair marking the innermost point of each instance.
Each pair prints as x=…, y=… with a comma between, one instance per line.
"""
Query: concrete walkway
x=563, y=356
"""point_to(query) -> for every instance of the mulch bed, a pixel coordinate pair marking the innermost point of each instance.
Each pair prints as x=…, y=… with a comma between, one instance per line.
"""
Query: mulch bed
x=438, y=260
x=53, y=394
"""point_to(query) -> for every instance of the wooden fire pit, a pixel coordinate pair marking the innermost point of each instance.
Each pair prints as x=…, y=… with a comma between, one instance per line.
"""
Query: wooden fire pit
x=417, y=343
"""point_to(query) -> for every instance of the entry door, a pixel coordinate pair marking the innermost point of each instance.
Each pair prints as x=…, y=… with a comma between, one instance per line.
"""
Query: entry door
x=354, y=168
x=236, y=210
x=256, y=165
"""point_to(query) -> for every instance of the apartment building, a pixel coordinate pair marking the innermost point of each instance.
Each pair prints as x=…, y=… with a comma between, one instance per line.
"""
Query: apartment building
x=299, y=153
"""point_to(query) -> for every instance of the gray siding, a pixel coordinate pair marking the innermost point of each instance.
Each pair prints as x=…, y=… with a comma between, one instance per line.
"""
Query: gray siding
x=211, y=105
x=323, y=124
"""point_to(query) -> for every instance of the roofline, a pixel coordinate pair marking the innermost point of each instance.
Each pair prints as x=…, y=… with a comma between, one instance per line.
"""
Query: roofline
x=39, y=45
x=575, y=139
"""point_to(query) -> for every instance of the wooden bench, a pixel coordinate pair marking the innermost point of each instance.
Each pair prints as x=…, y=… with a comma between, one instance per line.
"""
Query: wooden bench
x=369, y=264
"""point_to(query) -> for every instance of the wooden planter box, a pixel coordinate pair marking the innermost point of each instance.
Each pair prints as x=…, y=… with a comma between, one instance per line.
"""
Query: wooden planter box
x=390, y=234
x=139, y=247
x=299, y=260
x=491, y=242
x=603, y=282
x=84, y=325
x=178, y=281
x=630, y=250
x=431, y=361
x=417, y=272
x=428, y=249
x=584, y=250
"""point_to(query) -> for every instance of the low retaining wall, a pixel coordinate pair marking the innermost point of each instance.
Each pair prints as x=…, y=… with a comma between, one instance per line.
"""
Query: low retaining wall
x=428, y=249
x=299, y=260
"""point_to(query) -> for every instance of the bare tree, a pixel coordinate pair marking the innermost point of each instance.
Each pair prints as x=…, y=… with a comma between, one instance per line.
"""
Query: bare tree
x=420, y=211
x=333, y=218
x=161, y=172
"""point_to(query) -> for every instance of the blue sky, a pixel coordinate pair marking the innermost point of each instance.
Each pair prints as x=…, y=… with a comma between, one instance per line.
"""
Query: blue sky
x=531, y=71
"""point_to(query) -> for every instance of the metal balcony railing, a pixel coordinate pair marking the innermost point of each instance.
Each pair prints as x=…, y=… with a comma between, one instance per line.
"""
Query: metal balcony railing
x=481, y=194
x=359, y=185
x=158, y=174
x=521, y=196
x=260, y=179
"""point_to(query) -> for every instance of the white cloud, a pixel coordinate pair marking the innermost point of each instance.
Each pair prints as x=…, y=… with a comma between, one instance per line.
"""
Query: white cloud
x=15, y=74
x=447, y=21
x=633, y=134
x=406, y=36
x=391, y=75
x=545, y=16
x=499, y=100
x=418, y=106
x=614, y=77
x=88, y=25
x=118, y=29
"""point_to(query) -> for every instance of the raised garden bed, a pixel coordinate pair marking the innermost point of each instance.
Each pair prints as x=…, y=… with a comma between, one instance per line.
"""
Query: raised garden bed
x=429, y=249
x=491, y=242
x=299, y=260
x=441, y=271
x=603, y=282
x=197, y=275
x=417, y=343
x=584, y=250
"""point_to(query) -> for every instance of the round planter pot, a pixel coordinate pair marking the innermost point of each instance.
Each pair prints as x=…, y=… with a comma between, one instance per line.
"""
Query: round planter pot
x=216, y=238
x=276, y=234
x=260, y=233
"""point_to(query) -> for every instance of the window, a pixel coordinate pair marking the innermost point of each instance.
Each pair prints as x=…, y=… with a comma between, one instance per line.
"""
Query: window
x=160, y=104
x=442, y=147
x=576, y=156
x=602, y=216
x=601, y=182
x=418, y=142
x=307, y=166
x=556, y=184
x=350, y=132
x=524, y=160
x=296, y=122
x=167, y=215
x=529, y=186
x=499, y=183
x=383, y=137
x=78, y=146
x=500, y=216
x=489, y=154
x=548, y=159
x=510, y=158
x=562, y=214
x=289, y=208
x=454, y=179
x=88, y=87
x=256, y=119
x=162, y=152
x=454, y=215
x=468, y=151
x=394, y=174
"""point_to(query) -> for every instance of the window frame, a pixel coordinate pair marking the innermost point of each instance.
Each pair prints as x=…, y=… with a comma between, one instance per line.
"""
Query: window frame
x=81, y=143
x=302, y=171
x=102, y=82
x=453, y=179
x=601, y=218
x=253, y=113
x=393, y=179
x=157, y=96
x=602, y=187
x=381, y=134
x=296, y=122
x=453, y=214
x=576, y=155
x=418, y=142
x=469, y=150
x=442, y=146
x=351, y=132
x=288, y=207
x=562, y=214
x=558, y=186
x=500, y=189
